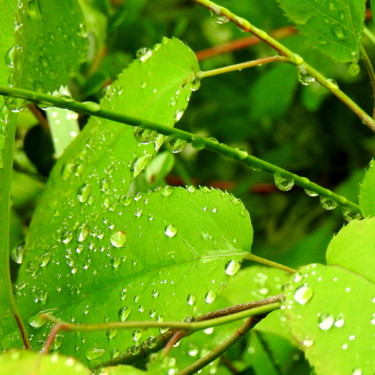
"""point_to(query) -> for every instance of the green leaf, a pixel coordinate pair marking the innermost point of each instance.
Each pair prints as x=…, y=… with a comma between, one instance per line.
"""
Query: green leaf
x=272, y=92
x=334, y=27
x=17, y=362
x=121, y=370
x=353, y=248
x=50, y=43
x=367, y=192
x=164, y=255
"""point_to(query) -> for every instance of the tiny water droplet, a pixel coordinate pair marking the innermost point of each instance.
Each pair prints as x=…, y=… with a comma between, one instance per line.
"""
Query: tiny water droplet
x=9, y=57
x=327, y=203
x=325, y=322
x=178, y=114
x=84, y=192
x=232, y=267
x=166, y=191
x=143, y=54
x=111, y=334
x=210, y=297
x=143, y=84
x=338, y=32
x=282, y=183
x=66, y=237
x=303, y=294
x=311, y=193
x=151, y=342
x=303, y=77
x=94, y=353
x=170, y=230
x=136, y=335
x=356, y=371
x=124, y=313
x=118, y=239
x=339, y=322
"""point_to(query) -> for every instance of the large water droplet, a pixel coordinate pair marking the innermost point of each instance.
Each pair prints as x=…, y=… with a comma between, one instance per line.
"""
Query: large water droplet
x=14, y=104
x=327, y=203
x=282, y=183
x=325, y=322
x=175, y=145
x=144, y=136
x=170, y=230
x=232, y=267
x=303, y=294
x=94, y=353
x=119, y=238
x=350, y=215
x=124, y=313
x=354, y=68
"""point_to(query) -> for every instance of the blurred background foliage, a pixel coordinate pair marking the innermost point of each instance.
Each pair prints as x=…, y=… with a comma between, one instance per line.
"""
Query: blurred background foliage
x=264, y=110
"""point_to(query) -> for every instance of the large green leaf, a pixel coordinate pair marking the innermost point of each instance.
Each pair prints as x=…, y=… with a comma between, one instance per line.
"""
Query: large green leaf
x=334, y=26
x=161, y=255
x=367, y=192
x=353, y=248
x=50, y=43
x=331, y=314
x=17, y=362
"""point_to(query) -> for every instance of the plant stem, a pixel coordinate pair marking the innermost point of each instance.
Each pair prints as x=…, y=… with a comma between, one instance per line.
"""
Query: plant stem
x=224, y=346
x=370, y=72
x=270, y=263
x=370, y=36
x=207, y=143
x=6, y=166
x=238, y=67
x=294, y=59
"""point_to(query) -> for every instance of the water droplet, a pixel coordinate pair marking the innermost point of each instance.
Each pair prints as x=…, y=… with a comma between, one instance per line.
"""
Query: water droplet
x=166, y=191
x=14, y=104
x=94, y=353
x=325, y=322
x=282, y=183
x=354, y=68
x=9, y=57
x=303, y=294
x=175, y=145
x=82, y=232
x=139, y=164
x=118, y=239
x=66, y=237
x=242, y=154
x=338, y=32
x=170, y=230
x=339, y=322
x=92, y=106
x=144, y=54
x=111, y=334
x=210, y=296
x=143, y=84
x=18, y=252
x=124, y=313
x=311, y=193
x=136, y=335
x=327, y=203
x=36, y=321
x=198, y=142
x=84, y=192
x=350, y=215
x=57, y=343
x=178, y=114
x=307, y=342
x=232, y=267
x=303, y=77
x=144, y=136
x=155, y=293
x=218, y=16
x=356, y=371
x=151, y=342
x=191, y=299
x=195, y=84
x=44, y=259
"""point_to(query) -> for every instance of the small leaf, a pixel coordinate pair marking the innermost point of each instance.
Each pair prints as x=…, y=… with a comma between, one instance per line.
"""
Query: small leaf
x=353, y=248
x=163, y=255
x=330, y=311
x=367, y=192
x=31, y=363
x=49, y=48
x=333, y=26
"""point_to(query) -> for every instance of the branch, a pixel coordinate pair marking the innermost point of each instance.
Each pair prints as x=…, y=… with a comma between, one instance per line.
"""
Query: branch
x=207, y=143
x=293, y=57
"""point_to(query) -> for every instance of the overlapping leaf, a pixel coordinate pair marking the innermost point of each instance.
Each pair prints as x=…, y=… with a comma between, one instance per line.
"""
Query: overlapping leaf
x=163, y=255
x=334, y=26
x=28, y=363
x=367, y=192
x=330, y=309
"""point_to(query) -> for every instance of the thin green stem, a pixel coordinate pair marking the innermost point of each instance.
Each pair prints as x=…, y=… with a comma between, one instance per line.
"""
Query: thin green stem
x=371, y=74
x=239, y=67
x=224, y=346
x=293, y=58
x=369, y=34
x=269, y=263
x=207, y=143
x=6, y=165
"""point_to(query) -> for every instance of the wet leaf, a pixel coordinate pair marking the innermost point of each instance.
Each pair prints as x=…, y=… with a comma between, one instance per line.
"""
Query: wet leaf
x=17, y=362
x=330, y=311
x=367, y=192
x=332, y=26
x=49, y=49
